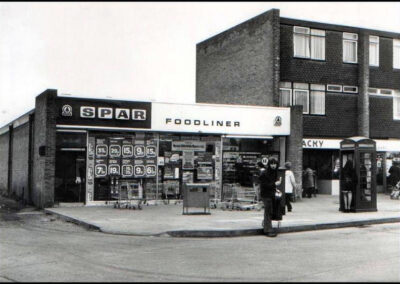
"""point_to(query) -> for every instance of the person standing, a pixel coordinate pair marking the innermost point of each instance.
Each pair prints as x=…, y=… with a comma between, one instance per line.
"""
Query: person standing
x=290, y=185
x=349, y=183
x=309, y=183
x=268, y=182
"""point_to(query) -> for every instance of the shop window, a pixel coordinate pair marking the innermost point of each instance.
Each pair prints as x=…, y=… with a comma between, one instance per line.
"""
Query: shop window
x=350, y=47
x=373, y=50
x=396, y=53
x=308, y=43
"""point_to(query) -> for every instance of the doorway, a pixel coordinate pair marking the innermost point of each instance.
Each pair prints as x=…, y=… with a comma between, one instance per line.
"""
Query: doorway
x=70, y=184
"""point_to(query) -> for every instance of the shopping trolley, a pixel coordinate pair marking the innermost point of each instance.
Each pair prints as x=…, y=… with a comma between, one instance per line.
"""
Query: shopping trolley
x=130, y=196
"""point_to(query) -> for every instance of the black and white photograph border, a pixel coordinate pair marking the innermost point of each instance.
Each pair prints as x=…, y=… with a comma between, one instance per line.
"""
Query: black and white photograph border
x=199, y=141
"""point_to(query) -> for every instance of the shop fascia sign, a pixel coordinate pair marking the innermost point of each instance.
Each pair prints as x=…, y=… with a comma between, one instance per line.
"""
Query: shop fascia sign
x=381, y=145
x=112, y=113
x=315, y=143
x=221, y=119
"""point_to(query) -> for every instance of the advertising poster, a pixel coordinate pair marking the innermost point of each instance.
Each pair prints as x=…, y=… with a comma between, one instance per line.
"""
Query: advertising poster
x=198, y=146
x=139, y=168
x=188, y=160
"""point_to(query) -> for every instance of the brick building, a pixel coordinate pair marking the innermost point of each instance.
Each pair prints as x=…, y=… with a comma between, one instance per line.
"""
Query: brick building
x=346, y=79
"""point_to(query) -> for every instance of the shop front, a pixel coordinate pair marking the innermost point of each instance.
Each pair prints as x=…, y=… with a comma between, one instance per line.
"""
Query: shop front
x=322, y=155
x=156, y=147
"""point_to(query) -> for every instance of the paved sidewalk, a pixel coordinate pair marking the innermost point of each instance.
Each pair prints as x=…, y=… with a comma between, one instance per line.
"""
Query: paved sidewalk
x=308, y=214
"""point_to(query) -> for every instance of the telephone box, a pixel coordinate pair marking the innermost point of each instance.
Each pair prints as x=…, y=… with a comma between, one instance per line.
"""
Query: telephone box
x=360, y=152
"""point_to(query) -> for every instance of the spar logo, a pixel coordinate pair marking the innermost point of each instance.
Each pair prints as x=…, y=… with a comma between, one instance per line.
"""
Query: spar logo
x=66, y=110
x=111, y=113
x=278, y=121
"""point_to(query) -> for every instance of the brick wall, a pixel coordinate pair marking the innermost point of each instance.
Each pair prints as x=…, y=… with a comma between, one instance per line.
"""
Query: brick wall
x=19, y=172
x=45, y=135
x=240, y=65
x=330, y=71
x=381, y=118
x=385, y=76
x=340, y=119
x=4, y=140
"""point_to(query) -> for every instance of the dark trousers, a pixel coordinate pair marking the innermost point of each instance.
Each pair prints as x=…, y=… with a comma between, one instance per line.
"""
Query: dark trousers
x=288, y=197
x=309, y=191
x=267, y=215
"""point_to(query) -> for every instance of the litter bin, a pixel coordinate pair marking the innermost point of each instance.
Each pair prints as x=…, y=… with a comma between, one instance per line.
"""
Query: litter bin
x=196, y=195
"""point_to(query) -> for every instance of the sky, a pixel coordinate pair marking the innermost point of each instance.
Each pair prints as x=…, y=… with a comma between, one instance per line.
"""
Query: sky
x=134, y=50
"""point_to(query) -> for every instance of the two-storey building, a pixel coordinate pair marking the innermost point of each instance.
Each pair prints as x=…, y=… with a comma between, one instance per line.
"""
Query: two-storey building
x=346, y=79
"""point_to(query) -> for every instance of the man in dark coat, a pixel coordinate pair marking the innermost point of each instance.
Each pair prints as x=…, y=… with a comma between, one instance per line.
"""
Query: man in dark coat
x=268, y=182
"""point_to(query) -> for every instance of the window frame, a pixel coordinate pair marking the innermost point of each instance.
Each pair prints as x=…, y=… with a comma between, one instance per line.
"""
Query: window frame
x=335, y=91
x=308, y=32
x=308, y=99
x=371, y=37
x=316, y=88
x=351, y=92
x=396, y=46
x=347, y=38
x=396, y=112
x=290, y=96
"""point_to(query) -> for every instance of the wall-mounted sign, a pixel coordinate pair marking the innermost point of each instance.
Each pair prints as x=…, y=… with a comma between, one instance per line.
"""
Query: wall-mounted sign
x=103, y=113
x=221, y=119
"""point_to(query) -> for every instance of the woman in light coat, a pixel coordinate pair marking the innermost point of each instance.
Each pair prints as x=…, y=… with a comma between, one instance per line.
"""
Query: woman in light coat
x=290, y=185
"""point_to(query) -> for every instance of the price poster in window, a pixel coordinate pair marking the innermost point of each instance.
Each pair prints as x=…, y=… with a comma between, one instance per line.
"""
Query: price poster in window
x=139, y=168
x=127, y=148
x=100, y=168
x=114, y=148
x=114, y=167
x=101, y=148
x=90, y=168
x=151, y=167
x=127, y=168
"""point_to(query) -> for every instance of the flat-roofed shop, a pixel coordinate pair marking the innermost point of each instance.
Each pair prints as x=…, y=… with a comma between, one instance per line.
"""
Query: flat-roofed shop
x=77, y=144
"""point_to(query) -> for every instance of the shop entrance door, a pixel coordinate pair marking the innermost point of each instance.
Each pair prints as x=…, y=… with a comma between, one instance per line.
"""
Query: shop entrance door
x=70, y=176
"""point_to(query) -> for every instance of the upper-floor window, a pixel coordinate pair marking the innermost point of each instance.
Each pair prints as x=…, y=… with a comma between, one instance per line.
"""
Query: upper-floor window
x=308, y=43
x=373, y=50
x=350, y=47
x=311, y=97
x=396, y=53
x=301, y=96
x=396, y=105
x=317, y=98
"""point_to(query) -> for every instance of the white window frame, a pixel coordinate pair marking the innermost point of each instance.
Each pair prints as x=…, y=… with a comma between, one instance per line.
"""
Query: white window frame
x=396, y=112
x=306, y=32
x=308, y=99
x=374, y=40
x=350, y=37
x=317, y=88
x=396, y=46
x=335, y=91
x=310, y=33
x=290, y=95
x=317, y=34
x=348, y=91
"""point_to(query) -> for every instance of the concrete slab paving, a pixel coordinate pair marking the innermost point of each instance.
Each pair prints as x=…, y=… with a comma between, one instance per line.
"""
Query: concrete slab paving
x=321, y=212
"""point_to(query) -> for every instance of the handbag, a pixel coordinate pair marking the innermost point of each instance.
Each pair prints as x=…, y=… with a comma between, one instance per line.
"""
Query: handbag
x=278, y=194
